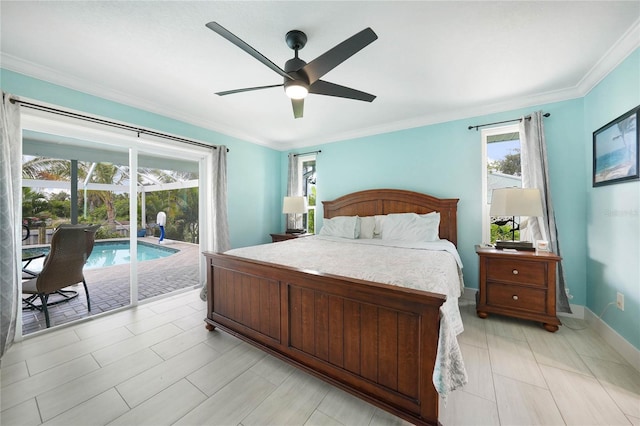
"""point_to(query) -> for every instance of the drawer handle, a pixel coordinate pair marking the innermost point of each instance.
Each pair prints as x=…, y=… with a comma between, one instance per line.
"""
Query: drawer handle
x=514, y=272
x=515, y=297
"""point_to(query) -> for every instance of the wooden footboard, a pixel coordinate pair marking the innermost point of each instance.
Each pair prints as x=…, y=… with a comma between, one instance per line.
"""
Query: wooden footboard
x=375, y=341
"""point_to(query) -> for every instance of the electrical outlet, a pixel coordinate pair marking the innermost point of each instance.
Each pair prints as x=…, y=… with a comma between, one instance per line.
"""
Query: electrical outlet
x=620, y=301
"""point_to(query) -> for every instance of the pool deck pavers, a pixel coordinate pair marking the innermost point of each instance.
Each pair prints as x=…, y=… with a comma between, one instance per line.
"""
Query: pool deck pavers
x=109, y=287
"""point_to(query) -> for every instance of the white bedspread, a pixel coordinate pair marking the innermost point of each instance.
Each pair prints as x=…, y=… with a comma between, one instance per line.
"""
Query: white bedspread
x=435, y=267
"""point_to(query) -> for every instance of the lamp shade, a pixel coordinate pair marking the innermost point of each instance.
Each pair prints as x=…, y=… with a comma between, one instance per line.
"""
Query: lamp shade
x=294, y=205
x=516, y=202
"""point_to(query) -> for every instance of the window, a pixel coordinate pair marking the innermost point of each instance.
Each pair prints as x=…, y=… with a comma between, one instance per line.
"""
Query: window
x=501, y=168
x=307, y=173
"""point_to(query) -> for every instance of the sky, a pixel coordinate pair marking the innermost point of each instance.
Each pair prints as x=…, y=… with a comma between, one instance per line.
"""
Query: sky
x=498, y=150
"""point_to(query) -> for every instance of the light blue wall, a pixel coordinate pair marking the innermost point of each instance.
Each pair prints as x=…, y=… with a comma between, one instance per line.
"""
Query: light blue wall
x=445, y=160
x=253, y=171
x=613, y=211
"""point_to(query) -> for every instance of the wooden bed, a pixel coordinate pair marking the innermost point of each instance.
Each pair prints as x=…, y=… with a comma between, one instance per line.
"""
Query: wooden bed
x=332, y=326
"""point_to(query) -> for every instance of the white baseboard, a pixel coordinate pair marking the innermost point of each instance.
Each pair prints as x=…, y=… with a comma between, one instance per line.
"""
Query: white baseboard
x=577, y=312
x=619, y=343
x=469, y=294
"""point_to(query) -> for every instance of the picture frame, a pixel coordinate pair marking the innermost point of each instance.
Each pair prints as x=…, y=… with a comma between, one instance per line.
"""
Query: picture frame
x=615, y=150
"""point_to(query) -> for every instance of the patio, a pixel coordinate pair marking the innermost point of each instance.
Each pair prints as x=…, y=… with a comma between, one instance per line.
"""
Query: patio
x=109, y=287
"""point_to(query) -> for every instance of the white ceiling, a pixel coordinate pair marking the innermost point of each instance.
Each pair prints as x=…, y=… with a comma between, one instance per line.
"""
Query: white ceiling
x=434, y=61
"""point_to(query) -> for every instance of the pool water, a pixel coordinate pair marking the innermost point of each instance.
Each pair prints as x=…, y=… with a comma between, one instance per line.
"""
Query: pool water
x=109, y=253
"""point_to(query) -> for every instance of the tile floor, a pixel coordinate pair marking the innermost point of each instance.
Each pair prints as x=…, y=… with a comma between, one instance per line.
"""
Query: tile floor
x=157, y=365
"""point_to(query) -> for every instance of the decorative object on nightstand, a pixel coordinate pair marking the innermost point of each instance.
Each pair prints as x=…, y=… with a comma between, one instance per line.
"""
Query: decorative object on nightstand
x=519, y=284
x=295, y=206
x=515, y=202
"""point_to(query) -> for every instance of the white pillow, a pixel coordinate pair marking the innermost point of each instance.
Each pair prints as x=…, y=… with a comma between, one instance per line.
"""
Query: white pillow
x=341, y=226
x=367, y=226
x=431, y=221
x=411, y=227
x=377, y=230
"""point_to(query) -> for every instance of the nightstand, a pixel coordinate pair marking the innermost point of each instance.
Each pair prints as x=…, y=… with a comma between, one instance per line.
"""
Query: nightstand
x=283, y=237
x=519, y=284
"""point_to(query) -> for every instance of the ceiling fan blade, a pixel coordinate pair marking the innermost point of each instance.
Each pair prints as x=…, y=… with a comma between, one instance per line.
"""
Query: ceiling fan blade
x=298, y=107
x=214, y=26
x=322, y=87
x=247, y=89
x=335, y=56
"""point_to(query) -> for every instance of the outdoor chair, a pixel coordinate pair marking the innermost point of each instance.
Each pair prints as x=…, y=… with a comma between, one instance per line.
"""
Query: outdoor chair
x=71, y=246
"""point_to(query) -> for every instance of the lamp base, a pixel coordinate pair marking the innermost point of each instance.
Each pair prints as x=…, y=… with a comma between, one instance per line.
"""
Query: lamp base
x=296, y=231
x=515, y=245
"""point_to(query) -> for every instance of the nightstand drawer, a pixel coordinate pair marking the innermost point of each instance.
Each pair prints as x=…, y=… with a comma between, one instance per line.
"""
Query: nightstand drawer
x=518, y=272
x=516, y=297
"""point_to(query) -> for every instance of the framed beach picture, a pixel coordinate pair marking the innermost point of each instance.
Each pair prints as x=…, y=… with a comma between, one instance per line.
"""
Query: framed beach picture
x=615, y=150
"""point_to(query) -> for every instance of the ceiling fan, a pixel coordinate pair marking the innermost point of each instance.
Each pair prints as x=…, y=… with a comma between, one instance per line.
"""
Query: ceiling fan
x=300, y=77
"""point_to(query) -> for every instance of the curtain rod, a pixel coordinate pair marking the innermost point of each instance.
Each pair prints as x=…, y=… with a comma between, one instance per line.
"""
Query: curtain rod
x=310, y=152
x=137, y=130
x=506, y=121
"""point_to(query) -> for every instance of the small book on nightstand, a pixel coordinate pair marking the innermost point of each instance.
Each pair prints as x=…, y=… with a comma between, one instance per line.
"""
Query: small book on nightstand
x=515, y=245
x=296, y=231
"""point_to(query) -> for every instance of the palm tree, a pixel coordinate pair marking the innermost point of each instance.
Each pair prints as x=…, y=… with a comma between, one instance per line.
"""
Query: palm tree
x=44, y=168
x=627, y=127
x=109, y=174
x=33, y=203
x=179, y=205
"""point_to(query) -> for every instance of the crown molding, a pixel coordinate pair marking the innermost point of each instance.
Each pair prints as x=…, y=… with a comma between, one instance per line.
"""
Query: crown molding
x=68, y=81
x=443, y=117
x=626, y=45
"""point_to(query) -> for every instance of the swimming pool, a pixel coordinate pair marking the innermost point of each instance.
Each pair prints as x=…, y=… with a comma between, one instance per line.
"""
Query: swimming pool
x=109, y=253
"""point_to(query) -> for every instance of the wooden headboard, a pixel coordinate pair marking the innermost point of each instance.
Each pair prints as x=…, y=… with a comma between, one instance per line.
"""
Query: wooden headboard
x=384, y=201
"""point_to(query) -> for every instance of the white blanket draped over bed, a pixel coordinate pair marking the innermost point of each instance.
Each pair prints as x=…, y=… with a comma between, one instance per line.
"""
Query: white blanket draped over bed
x=428, y=266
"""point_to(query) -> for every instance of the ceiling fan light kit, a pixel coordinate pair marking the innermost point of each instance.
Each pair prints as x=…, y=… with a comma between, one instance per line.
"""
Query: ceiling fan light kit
x=296, y=89
x=300, y=77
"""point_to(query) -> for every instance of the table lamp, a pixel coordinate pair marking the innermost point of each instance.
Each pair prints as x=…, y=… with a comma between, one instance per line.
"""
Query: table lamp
x=515, y=202
x=294, y=206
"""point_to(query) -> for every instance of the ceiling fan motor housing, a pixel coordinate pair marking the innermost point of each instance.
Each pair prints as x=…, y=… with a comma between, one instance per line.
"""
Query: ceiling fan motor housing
x=296, y=39
x=292, y=66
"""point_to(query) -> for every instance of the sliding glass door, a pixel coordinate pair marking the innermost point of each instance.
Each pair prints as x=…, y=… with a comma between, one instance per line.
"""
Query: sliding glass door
x=168, y=225
x=153, y=220
x=74, y=183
